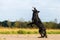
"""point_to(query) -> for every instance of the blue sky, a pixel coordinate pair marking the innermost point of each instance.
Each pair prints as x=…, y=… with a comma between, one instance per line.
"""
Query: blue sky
x=22, y=9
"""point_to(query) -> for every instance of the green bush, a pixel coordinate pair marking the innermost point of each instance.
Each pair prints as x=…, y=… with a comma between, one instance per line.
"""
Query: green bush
x=21, y=32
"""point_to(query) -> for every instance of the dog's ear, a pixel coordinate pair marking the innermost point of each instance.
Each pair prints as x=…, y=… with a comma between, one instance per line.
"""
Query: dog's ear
x=34, y=8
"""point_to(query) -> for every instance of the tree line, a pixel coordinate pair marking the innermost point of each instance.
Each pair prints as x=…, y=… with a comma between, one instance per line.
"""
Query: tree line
x=20, y=24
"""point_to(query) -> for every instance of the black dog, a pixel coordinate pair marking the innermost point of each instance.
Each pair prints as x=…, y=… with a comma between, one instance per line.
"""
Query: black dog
x=36, y=20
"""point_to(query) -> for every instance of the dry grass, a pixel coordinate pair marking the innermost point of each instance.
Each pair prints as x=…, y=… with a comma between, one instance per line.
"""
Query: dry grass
x=26, y=31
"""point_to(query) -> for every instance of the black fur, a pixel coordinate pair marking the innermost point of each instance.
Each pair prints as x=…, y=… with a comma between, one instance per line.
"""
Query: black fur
x=36, y=20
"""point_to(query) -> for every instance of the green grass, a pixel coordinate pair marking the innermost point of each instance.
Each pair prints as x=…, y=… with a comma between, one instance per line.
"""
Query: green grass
x=26, y=31
x=36, y=32
x=53, y=31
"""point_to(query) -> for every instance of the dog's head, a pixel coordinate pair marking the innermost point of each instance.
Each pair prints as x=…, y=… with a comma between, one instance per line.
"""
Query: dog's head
x=35, y=10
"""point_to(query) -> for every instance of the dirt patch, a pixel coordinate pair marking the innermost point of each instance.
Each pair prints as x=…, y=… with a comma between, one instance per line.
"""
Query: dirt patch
x=28, y=37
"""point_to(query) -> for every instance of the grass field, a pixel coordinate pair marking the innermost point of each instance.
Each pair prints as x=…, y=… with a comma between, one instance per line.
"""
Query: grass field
x=26, y=31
